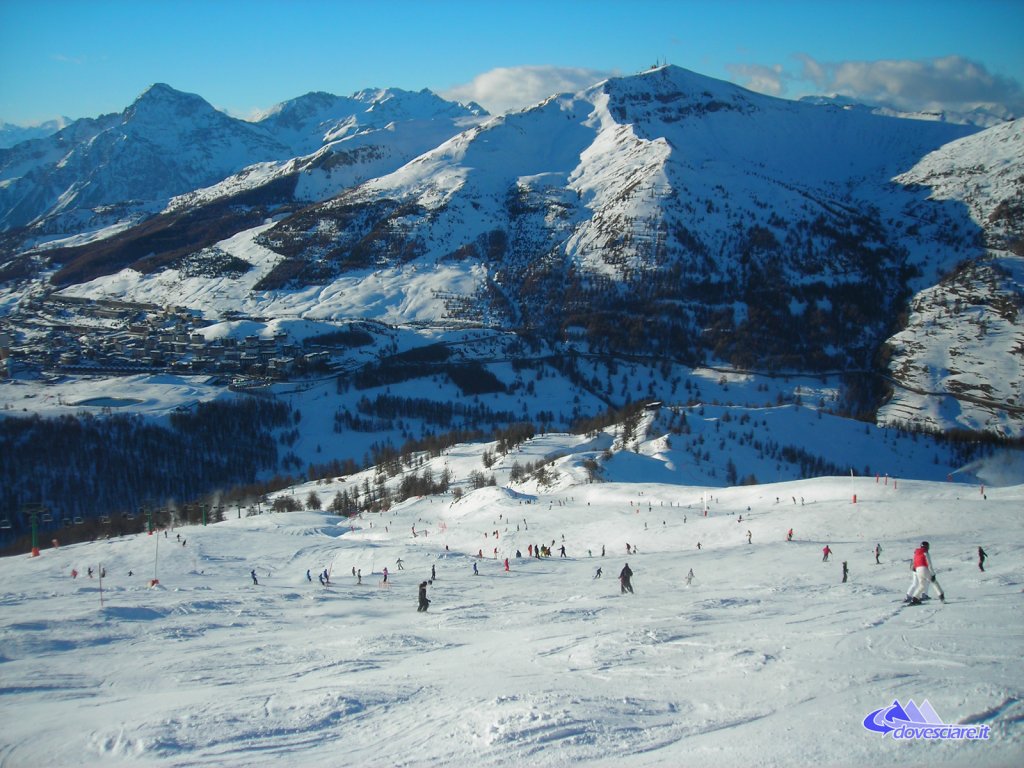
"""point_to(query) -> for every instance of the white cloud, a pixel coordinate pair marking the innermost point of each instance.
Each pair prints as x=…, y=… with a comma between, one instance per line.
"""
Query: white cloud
x=65, y=59
x=951, y=83
x=756, y=77
x=506, y=89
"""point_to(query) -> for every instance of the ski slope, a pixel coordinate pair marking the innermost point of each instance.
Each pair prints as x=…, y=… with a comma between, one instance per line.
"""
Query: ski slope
x=765, y=659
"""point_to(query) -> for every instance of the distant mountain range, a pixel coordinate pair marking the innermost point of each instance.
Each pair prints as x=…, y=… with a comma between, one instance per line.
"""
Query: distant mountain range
x=11, y=134
x=167, y=143
x=665, y=214
x=980, y=117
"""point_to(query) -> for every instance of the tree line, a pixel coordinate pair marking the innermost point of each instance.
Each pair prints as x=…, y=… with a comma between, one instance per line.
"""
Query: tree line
x=83, y=466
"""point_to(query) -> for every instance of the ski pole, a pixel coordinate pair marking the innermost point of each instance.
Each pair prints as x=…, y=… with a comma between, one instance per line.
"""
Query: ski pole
x=935, y=581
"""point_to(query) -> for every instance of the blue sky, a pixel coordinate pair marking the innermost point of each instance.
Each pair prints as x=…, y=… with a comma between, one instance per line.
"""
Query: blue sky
x=82, y=58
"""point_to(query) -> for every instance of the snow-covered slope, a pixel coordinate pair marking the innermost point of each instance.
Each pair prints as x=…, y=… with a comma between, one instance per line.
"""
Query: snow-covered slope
x=983, y=172
x=965, y=335
x=764, y=657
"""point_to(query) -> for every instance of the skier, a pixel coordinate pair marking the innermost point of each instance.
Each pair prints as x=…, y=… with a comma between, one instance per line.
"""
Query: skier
x=597, y=573
x=399, y=564
x=981, y=559
x=424, y=603
x=433, y=573
x=561, y=550
x=825, y=552
x=789, y=535
x=253, y=574
x=846, y=571
x=748, y=537
x=309, y=576
x=923, y=576
x=385, y=574
x=689, y=577
x=475, y=571
x=624, y=579
x=506, y=565
x=878, y=551
x=359, y=576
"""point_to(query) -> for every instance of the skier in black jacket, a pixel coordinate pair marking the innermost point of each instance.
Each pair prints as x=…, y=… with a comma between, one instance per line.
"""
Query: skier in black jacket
x=624, y=579
x=424, y=603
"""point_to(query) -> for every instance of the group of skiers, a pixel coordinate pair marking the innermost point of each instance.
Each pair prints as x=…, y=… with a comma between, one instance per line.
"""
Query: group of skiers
x=923, y=573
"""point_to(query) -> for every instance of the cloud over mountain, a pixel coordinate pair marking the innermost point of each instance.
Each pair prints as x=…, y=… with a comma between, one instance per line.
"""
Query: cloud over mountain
x=951, y=83
x=506, y=89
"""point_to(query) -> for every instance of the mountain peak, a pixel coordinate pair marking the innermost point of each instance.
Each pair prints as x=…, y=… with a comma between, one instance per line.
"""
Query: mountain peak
x=161, y=100
x=163, y=92
x=670, y=80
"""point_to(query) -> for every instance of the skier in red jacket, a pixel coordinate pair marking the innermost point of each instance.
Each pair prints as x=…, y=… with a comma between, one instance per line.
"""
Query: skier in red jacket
x=923, y=576
x=825, y=552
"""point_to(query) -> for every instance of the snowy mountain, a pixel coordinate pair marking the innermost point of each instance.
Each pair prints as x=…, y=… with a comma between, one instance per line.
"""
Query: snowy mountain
x=165, y=143
x=316, y=119
x=664, y=217
x=219, y=644
x=336, y=143
x=728, y=218
x=169, y=143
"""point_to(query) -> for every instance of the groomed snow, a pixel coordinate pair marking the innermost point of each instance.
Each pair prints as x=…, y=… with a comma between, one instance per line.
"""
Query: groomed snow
x=765, y=659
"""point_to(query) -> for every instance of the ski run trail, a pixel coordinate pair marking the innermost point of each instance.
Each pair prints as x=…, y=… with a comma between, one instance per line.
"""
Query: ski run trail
x=765, y=659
